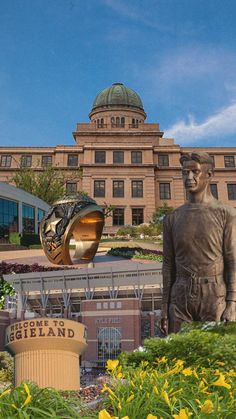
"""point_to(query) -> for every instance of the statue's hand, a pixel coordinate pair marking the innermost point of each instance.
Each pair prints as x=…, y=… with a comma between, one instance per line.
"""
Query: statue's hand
x=164, y=326
x=230, y=312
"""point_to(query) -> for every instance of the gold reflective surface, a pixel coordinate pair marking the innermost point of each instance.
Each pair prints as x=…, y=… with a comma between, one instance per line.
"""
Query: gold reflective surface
x=76, y=217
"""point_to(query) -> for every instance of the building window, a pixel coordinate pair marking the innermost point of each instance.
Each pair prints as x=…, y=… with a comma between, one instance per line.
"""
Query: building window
x=72, y=160
x=109, y=343
x=165, y=191
x=99, y=188
x=8, y=218
x=100, y=156
x=137, y=216
x=122, y=122
x=136, y=156
x=26, y=161
x=71, y=187
x=229, y=161
x=231, y=191
x=46, y=160
x=137, y=188
x=99, y=306
x=28, y=218
x=6, y=161
x=41, y=214
x=118, y=188
x=214, y=191
x=134, y=123
x=118, y=157
x=118, y=217
x=163, y=160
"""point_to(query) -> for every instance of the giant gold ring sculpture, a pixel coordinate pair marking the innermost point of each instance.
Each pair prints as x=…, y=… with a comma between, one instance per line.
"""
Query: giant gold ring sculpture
x=78, y=216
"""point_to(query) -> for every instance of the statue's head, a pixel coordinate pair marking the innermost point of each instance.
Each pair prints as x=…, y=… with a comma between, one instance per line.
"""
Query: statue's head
x=197, y=171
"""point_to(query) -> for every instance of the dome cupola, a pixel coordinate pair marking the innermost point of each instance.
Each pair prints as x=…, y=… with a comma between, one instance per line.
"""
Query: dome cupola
x=117, y=100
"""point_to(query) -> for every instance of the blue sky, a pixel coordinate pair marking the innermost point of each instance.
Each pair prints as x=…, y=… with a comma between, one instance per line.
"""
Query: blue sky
x=56, y=55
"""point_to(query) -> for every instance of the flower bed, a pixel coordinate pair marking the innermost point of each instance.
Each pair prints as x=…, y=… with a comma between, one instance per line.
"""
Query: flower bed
x=168, y=389
x=136, y=253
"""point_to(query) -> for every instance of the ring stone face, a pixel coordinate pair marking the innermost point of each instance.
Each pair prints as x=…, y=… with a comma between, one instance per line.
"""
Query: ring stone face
x=74, y=216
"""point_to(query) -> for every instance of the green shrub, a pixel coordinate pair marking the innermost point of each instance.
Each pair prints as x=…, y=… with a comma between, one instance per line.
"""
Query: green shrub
x=14, y=238
x=29, y=239
x=6, y=367
x=195, y=347
x=127, y=231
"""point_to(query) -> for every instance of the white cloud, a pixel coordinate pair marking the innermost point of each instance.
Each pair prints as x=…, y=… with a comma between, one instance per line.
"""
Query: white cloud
x=121, y=7
x=222, y=123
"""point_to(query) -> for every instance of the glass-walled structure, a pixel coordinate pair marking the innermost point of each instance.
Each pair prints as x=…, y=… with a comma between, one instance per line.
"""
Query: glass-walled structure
x=28, y=218
x=20, y=212
x=8, y=218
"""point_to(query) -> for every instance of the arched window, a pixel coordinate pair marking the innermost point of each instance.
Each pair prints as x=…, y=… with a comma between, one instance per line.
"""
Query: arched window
x=109, y=343
x=117, y=121
x=122, y=123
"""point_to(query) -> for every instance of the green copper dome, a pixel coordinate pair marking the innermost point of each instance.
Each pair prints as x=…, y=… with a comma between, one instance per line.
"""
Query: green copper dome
x=117, y=94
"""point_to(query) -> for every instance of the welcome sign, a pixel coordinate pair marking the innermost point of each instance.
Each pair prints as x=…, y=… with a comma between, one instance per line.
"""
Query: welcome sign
x=38, y=328
x=53, y=344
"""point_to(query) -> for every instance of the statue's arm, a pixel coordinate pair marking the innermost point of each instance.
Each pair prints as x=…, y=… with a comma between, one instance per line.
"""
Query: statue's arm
x=230, y=267
x=168, y=270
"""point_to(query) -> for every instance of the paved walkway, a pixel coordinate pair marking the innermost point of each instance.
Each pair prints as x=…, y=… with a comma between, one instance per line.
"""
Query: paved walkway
x=31, y=256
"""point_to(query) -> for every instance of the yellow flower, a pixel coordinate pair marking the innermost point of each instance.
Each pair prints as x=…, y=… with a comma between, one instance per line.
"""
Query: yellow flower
x=183, y=414
x=125, y=417
x=220, y=363
x=166, y=397
x=179, y=363
x=112, y=364
x=103, y=414
x=142, y=374
x=29, y=397
x=162, y=360
x=156, y=390
x=166, y=385
x=119, y=375
x=119, y=406
x=207, y=407
x=150, y=416
x=231, y=373
x=187, y=371
x=131, y=397
x=221, y=382
x=144, y=364
x=5, y=392
x=109, y=390
x=195, y=374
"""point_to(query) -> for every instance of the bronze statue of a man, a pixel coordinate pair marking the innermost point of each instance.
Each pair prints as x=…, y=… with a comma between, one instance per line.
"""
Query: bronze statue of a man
x=199, y=267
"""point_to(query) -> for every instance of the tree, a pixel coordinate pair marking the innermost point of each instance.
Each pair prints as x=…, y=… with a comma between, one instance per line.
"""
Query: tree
x=159, y=215
x=47, y=184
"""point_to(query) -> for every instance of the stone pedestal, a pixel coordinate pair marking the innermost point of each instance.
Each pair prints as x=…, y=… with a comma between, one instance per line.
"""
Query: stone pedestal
x=47, y=351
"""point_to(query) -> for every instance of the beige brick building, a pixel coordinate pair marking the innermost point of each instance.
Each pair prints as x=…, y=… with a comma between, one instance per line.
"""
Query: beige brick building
x=125, y=161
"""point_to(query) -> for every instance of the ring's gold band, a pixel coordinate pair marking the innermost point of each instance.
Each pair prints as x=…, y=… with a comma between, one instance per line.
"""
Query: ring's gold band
x=79, y=217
